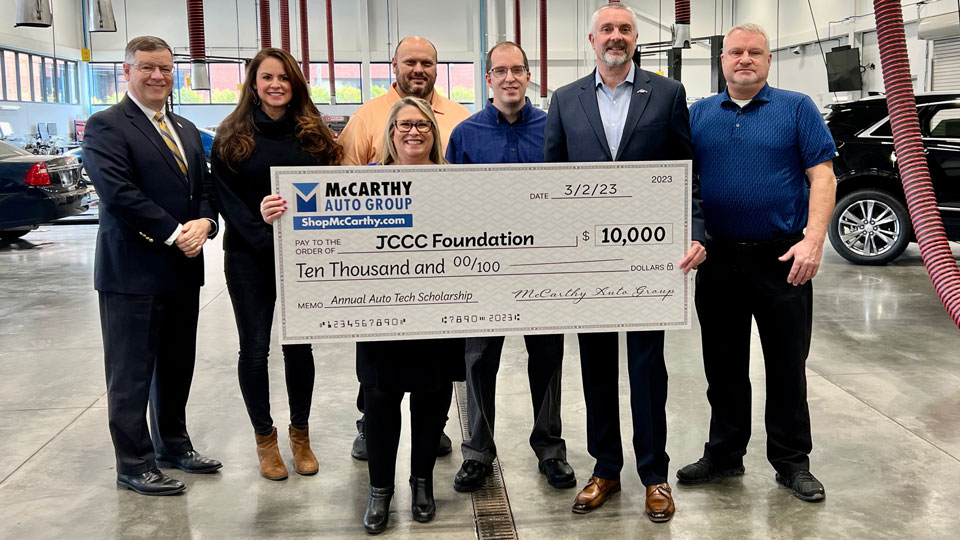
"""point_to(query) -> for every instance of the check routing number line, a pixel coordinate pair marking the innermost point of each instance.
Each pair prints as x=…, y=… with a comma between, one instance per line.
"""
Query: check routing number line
x=448, y=276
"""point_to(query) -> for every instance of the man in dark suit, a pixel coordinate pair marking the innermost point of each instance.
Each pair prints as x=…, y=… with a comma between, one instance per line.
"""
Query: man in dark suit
x=621, y=112
x=155, y=215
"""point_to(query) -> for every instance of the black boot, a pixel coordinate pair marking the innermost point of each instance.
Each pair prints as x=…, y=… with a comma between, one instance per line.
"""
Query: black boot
x=424, y=505
x=378, y=510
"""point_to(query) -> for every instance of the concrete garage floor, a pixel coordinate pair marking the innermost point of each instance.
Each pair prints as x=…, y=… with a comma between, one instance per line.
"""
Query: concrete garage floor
x=884, y=379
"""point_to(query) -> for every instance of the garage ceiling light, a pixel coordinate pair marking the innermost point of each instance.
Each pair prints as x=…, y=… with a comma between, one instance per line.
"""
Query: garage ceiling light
x=100, y=17
x=34, y=13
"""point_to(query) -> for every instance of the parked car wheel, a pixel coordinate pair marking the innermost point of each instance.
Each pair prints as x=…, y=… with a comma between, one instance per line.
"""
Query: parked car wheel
x=9, y=236
x=870, y=227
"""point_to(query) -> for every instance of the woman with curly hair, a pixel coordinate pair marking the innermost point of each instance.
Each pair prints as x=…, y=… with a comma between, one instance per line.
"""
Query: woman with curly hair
x=275, y=124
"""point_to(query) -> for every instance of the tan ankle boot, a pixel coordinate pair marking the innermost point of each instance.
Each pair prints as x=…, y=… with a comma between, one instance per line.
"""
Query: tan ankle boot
x=271, y=464
x=304, y=462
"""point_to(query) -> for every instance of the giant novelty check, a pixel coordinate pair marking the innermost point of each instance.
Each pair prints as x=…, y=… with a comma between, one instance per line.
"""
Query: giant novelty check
x=373, y=253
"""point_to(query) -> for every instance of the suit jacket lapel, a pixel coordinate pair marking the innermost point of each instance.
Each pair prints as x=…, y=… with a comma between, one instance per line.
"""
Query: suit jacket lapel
x=141, y=122
x=638, y=102
x=588, y=100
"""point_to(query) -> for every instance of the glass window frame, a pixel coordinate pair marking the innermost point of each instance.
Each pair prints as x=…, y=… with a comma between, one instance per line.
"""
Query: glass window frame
x=446, y=89
x=335, y=65
x=56, y=82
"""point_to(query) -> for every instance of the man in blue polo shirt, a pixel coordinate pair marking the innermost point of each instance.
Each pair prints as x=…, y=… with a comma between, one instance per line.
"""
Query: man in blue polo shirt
x=764, y=157
x=509, y=130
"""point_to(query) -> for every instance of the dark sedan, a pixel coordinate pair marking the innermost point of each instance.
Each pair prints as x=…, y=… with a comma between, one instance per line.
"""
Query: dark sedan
x=36, y=190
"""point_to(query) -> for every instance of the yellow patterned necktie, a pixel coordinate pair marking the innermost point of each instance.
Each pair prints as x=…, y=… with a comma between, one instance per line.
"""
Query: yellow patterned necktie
x=172, y=144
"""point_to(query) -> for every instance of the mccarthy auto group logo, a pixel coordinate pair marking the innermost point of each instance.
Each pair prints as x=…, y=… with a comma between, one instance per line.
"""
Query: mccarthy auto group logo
x=310, y=201
x=306, y=196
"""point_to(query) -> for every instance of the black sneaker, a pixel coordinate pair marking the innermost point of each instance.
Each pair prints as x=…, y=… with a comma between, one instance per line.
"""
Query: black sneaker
x=804, y=485
x=470, y=476
x=703, y=471
x=359, y=450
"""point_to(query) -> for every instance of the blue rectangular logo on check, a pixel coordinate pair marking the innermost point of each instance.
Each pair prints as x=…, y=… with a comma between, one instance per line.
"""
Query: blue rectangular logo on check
x=394, y=221
x=306, y=202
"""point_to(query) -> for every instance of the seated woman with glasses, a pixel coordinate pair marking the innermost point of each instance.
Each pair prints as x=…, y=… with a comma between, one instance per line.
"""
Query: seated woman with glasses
x=275, y=124
x=423, y=367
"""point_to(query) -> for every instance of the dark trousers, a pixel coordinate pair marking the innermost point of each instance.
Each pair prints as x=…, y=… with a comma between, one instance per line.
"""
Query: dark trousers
x=544, y=363
x=149, y=349
x=428, y=414
x=733, y=285
x=599, y=366
x=253, y=292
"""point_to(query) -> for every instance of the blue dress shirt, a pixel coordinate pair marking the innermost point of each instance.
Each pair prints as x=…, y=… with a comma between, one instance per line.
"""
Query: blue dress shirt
x=487, y=137
x=614, y=105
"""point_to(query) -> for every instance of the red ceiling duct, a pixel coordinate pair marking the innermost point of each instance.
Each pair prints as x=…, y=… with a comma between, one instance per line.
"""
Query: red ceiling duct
x=543, y=50
x=264, y=23
x=199, y=76
x=330, y=63
x=304, y=42
x=285, y=25
x=516, y=22
x=681, y=28
x=911, y=156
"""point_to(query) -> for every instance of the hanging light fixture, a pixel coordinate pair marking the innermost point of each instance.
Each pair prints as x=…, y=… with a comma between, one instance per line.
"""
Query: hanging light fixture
x=100, y=16
x=34, y=13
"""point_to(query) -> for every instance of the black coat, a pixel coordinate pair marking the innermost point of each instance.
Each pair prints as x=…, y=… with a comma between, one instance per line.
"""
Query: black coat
x=239, y=192
x=143, y=196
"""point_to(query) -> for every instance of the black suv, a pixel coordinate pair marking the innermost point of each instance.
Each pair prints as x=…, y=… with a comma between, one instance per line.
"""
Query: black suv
x=870, y=224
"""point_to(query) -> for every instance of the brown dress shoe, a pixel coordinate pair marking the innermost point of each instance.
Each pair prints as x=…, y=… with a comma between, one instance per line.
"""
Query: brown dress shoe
x=271, y=464
x=659, y=505
x=304, y=461
x=594, y=494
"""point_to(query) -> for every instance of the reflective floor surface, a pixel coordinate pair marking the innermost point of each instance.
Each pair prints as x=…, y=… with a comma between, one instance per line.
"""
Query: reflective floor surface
x=884, y=394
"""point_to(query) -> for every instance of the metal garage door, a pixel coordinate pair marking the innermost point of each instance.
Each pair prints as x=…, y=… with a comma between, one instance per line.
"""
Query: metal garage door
x=946, y=65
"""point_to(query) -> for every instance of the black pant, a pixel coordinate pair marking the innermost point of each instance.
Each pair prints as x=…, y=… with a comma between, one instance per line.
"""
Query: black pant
x=149, y=349
x=428, y=414
x=544, y=369
x=733, y=285
x=253, y=292
x=600, y=367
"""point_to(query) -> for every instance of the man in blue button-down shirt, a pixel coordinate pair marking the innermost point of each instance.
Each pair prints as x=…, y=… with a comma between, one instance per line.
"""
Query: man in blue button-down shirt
x=509, y=130
x=765, y=174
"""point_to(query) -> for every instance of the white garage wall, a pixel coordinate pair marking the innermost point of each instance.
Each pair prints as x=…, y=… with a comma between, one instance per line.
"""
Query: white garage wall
x=368, y=30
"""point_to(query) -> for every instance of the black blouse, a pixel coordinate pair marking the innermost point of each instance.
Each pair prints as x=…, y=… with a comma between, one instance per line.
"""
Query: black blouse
x=239, y=193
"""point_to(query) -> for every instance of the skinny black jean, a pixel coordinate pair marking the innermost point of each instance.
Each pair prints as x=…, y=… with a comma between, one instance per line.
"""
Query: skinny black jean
x=251, y=283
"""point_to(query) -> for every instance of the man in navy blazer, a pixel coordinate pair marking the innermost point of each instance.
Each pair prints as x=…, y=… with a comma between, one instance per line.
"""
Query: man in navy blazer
x=621, y=112
x=156, y=212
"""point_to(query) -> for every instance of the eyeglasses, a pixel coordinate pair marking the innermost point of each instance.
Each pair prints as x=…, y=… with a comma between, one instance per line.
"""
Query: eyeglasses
x=148, y=69
x=517, y=71
x=422, y=127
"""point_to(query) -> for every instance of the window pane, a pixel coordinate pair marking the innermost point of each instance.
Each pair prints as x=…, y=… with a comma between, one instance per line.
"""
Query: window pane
x=121, y=81
x=24, y=62
x=61, y=73
x=224, y=82
x=461, y=83
x=47, y=81
x=10, y=75
x=347, y=82
x=381, y=75
x=70, y=80
x=37, y=63
x=103, y=84
x=442, y=84
x=182, y=93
